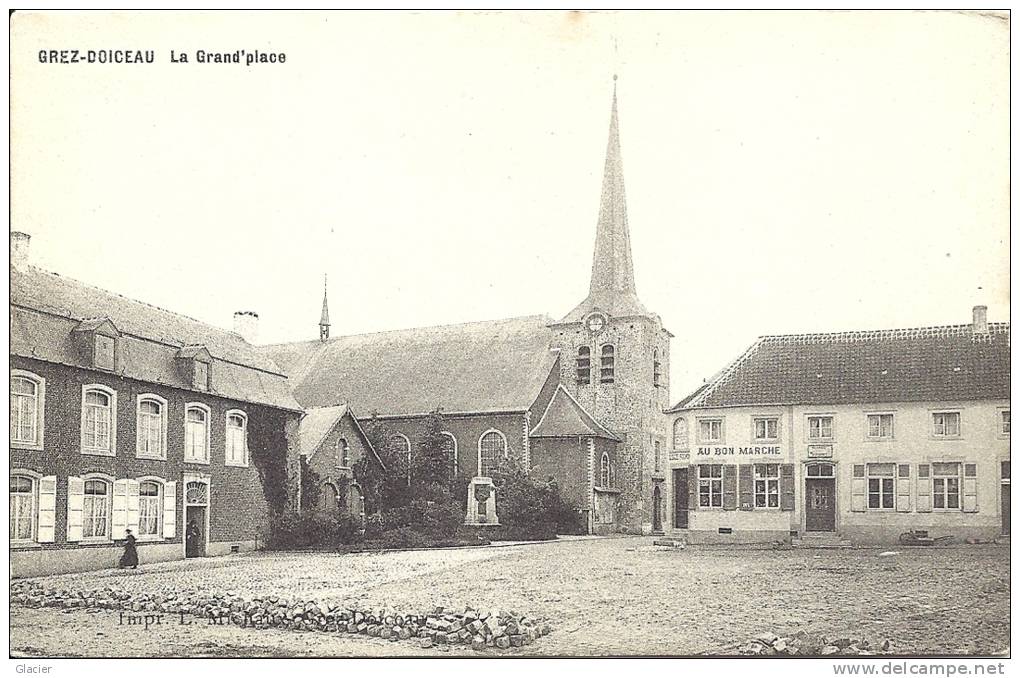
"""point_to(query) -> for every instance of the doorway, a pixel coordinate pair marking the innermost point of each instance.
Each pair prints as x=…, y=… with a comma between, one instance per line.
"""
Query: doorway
x=194, y=532
x=820, y=498
x=656, y=509
x=821, y=505
x=680, y=509
x=196, y=516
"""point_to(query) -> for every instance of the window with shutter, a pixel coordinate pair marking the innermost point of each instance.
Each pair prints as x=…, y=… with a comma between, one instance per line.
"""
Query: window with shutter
x=22, y=509
x=945, y=486
x=729, y=487
x=745, y=483
x=970, y=504
x=787, y=486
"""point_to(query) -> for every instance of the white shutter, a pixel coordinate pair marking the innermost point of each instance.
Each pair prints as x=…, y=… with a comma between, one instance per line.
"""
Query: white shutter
x=119, y=509
x=75, y=504
x=47, y=509
x=132, y=506
x=169, y=510
x=924, y=488
x=858, y=489
x=903, y=488
x=970, y=504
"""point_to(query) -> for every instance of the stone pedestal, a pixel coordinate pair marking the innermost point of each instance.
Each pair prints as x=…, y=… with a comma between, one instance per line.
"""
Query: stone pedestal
x=481, y=502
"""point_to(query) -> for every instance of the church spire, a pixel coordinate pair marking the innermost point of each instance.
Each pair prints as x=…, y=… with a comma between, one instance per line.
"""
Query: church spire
x=324, y=318
x=612, y=270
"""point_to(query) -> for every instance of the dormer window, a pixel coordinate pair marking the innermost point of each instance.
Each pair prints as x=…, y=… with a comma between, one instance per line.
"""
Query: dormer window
x=97, y=341
x=195, y=363
x=201, y=381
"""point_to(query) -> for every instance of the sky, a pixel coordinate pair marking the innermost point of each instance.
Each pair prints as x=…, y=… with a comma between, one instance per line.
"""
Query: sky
x=786, y=172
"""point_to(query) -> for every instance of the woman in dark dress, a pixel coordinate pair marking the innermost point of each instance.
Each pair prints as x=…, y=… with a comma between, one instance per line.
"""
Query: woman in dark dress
x=130, y=557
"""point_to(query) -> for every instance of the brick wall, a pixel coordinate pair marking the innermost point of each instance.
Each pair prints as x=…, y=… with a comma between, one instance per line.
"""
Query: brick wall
x=238, y=506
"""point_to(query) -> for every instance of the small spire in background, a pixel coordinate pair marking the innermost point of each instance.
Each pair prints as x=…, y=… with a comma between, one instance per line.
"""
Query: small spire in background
x=324, y=317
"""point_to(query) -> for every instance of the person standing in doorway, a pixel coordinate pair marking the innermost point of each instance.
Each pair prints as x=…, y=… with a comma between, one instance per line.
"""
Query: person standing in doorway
x=191, y=539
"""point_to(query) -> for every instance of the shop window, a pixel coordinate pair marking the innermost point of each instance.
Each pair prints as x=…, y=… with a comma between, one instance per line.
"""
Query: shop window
x=766, y=485
x=710, y=485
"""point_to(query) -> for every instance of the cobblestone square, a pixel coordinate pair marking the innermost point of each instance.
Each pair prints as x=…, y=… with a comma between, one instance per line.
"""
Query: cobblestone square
x=616, y=596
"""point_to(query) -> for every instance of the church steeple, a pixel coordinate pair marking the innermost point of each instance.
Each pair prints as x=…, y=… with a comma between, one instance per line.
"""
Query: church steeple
x=324, y=317
x=612, y=287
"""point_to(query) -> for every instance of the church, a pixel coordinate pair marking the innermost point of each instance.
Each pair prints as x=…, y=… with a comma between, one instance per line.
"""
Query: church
x=580, y=398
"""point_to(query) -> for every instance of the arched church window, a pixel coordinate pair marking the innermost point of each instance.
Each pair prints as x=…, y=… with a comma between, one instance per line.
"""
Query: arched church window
x=402, y=448
x=343, y=453
x=604, y=474
x=607, y=375
x=583, y=366
x=680, y=434
x=491, y=451
x=450, y=450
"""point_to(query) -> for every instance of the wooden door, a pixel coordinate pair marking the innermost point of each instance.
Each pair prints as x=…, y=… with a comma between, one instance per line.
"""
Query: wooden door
x=680, y=509
x=820, y=511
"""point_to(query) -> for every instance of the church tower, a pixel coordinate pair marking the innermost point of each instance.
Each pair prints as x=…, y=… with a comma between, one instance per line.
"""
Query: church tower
x=614, y=357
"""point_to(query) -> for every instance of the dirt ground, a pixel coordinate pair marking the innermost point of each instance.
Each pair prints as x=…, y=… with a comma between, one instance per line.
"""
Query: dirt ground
x=619, y=596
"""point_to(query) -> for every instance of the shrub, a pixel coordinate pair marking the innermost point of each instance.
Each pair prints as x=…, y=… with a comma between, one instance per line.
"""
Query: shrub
x=349, y=529
x=293, y=530
x=373, y=526
x=531, y=509
x=402, y=538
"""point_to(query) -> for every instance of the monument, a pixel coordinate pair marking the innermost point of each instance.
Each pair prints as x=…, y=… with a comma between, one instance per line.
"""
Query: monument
x=481, y=502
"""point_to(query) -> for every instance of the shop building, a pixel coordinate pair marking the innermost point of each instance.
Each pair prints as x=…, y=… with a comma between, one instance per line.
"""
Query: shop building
x=850, y=436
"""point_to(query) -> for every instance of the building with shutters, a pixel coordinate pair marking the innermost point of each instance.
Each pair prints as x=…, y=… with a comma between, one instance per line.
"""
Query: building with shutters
x=127, y=416
x=849, y=436
x=579, y=399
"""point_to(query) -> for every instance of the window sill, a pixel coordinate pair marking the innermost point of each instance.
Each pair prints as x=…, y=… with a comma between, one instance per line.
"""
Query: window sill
x=95, y=541
x=887, y=439
x=150, y=457
x=767, y=441
x=98, y=453
x=938, y=437
x=17, y=545
x=197, y=461
x=149, y=539
x=31, y=447
x=235, y=464
x=821, y=441
x=608, y=490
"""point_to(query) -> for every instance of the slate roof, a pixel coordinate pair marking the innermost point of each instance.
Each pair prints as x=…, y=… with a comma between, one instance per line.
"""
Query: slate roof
x=948, y=363
x=566, y=418
x=319, y=421
x=46, y=308
x=491, y=366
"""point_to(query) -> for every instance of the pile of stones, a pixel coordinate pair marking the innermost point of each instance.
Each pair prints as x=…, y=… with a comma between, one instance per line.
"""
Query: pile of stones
x=803, y=644
x=479, y=629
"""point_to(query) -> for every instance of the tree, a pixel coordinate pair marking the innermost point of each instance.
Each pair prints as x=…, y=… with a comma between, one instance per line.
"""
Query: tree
x=431, y=457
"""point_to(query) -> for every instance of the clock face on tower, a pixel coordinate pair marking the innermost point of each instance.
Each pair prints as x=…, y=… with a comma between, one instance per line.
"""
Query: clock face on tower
x=596, y=322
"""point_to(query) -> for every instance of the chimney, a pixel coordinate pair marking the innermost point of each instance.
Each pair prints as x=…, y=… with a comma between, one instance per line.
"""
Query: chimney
x=19, y=249
x=246, y=323
x=980, y=324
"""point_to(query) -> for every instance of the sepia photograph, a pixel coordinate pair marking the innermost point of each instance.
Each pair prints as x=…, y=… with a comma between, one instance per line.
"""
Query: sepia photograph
x=504, y=334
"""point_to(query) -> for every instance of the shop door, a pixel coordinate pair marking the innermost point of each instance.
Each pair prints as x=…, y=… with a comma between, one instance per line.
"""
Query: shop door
x=821, y=504
x=680, y=509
